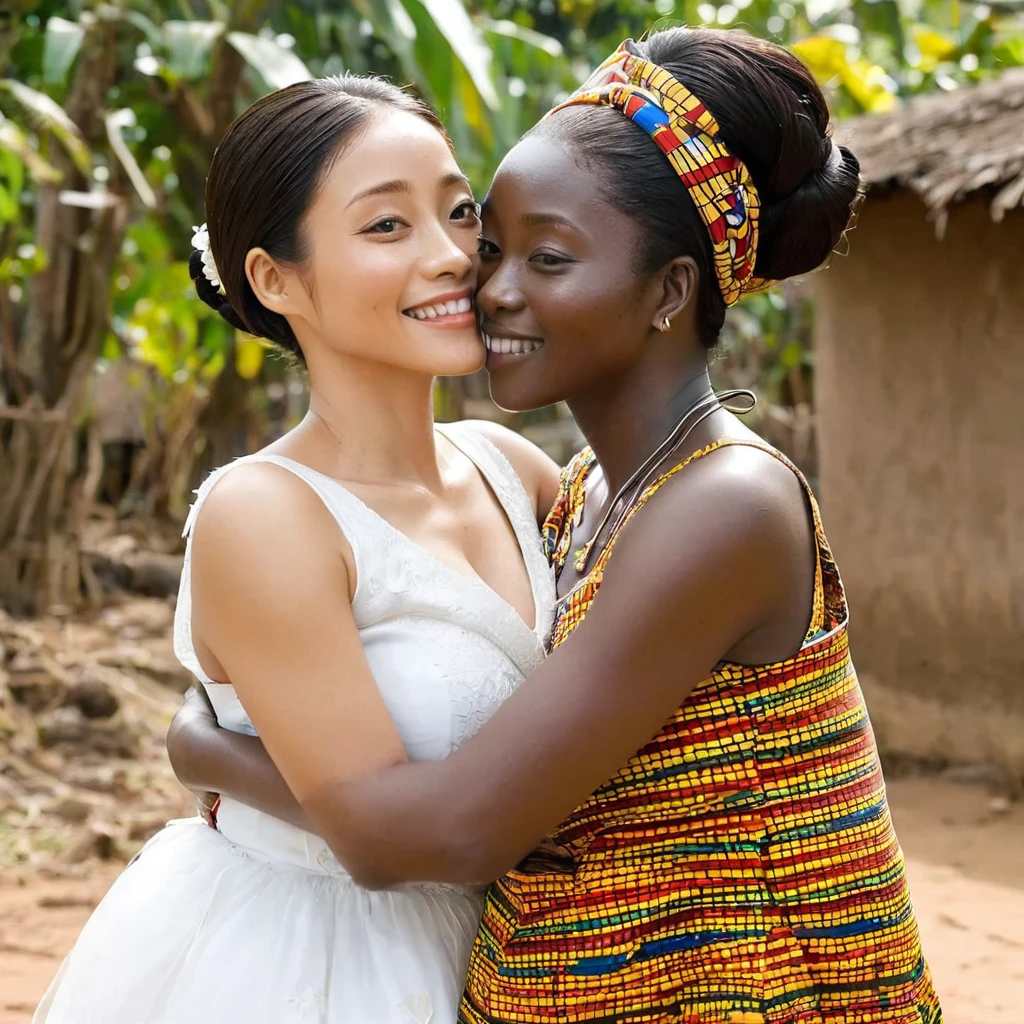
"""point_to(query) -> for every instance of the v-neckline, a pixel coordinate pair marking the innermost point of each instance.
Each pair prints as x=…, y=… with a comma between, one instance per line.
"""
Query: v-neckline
x=478, y=582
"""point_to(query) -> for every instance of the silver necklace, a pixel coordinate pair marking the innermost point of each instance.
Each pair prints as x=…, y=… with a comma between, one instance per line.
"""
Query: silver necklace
x=695, y=414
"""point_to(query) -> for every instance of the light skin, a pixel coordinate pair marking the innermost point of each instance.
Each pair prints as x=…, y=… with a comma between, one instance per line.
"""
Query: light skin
x=718, y=567
x=383, y=248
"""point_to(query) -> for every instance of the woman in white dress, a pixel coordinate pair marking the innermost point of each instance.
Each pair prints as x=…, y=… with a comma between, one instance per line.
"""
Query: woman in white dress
x=364, y=591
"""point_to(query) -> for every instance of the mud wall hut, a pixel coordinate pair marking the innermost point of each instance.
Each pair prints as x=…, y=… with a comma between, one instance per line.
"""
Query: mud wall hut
x=919, y=343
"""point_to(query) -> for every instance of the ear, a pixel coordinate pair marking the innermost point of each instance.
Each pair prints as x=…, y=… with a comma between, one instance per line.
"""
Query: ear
x=272, y=285
x=679, y=281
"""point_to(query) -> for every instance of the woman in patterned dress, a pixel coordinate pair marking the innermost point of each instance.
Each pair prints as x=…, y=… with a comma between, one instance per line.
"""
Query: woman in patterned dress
x=741, y=866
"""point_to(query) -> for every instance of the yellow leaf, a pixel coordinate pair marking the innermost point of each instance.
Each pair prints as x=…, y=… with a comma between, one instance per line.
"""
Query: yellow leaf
x=824, y=55
x=868, y=85
x=471, y=105
x=248, y=356
x=934, y=47
x=210, y=370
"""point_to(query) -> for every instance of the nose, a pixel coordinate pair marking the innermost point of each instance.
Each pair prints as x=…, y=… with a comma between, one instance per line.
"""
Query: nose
x=499, y=288
x=444, y=257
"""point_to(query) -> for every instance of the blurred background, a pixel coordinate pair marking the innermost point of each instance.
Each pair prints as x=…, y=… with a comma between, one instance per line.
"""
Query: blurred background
x=893, y=378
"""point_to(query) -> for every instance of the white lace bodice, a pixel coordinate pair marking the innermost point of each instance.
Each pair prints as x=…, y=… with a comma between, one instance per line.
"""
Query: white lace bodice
x=445, y=649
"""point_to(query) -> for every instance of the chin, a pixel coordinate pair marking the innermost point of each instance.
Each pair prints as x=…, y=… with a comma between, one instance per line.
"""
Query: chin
x=458, y=357
x=520, y=388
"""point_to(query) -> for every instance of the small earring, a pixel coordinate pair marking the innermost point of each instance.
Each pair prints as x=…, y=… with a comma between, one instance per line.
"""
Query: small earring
x=665, y=323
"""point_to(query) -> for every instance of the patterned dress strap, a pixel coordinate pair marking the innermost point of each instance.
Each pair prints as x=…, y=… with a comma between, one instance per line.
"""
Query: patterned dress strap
x=558, y=527
x=829, y=607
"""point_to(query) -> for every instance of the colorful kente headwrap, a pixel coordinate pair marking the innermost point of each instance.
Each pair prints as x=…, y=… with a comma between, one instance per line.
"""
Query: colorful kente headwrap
x=687, y=133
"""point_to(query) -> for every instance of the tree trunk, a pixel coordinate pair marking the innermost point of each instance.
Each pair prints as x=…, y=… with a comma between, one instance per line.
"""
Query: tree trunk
x=47, y=473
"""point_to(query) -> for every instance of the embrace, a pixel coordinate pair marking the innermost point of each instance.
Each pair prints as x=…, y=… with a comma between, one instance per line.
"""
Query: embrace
x=623, y=689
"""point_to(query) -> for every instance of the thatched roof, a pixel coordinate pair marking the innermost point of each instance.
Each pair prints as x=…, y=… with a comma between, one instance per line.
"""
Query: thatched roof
x=948, y=146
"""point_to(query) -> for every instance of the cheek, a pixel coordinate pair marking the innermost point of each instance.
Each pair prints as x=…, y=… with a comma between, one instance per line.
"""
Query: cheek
x=587, y=310
x=486, y=270
x=468, y=240
x=498, y=282
x=359, y=282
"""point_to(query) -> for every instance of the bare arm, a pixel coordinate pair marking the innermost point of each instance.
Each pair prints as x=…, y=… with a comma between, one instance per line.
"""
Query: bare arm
x=704, y=567
x=207, y=758
x=271, y=586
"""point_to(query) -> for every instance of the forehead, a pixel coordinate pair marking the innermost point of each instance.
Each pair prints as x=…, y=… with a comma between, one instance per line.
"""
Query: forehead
x=540, y=174
x=394, y=144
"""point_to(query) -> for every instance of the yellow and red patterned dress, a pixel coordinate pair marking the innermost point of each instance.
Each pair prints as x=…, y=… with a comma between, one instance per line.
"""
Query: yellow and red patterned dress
x=741, y=869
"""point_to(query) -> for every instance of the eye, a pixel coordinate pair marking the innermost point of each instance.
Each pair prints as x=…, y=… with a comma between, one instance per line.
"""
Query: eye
x=487, y=248
x=386, y=226
x=549, y=260
x=469, y=210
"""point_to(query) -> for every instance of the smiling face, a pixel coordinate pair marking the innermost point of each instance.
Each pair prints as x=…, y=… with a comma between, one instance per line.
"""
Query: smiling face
x=561, y=302
x=392, y=237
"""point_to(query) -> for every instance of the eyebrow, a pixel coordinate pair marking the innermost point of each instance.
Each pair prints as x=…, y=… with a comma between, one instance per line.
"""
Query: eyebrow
x=399, y=185
x=455, y=178
x=549, y=218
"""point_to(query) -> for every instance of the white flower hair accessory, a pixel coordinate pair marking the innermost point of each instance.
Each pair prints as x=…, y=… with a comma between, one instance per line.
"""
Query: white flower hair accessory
x=201, y=242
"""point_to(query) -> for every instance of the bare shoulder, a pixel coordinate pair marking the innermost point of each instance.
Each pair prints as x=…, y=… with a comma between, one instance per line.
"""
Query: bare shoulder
x=739, y=504
x=534, y=467
x=757, y=481
x=258, y=495
x=725, y=545
x=263, y=519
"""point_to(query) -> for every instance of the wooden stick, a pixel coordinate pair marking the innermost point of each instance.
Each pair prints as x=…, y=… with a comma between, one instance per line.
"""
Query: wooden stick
x=20, y=412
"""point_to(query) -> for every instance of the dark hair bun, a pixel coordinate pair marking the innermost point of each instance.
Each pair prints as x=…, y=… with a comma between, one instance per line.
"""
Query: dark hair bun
x=800, y=230
x=210, y=295
x=773, y=116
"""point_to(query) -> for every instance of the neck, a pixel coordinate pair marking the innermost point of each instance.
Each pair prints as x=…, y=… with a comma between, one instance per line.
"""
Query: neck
x=625, y=418
x=377, y=420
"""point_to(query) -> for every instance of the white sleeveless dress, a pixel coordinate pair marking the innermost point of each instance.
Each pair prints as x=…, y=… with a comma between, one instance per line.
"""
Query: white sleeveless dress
x=258, y=923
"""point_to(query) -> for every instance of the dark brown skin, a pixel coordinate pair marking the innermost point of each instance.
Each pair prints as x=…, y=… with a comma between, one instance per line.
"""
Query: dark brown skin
x=719, y=566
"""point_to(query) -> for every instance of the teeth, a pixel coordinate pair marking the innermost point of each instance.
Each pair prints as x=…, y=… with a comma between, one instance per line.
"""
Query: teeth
x=510, y=346
x=431, y=310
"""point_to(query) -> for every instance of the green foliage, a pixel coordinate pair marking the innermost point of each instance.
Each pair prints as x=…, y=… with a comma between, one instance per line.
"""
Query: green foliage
x=491, y=67
x=45, y=115
x=868, y=52
x=157, y=319
x=63, y=40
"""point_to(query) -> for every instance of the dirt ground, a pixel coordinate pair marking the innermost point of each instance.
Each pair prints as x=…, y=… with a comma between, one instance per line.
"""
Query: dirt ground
x=965, y=848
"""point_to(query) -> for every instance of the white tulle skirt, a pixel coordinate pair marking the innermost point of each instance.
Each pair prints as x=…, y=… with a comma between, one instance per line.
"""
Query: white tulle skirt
x=259, y=924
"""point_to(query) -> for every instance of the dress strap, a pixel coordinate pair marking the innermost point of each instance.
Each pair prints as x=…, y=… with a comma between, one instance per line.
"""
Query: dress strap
x=564, y=515
x=829, y=608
